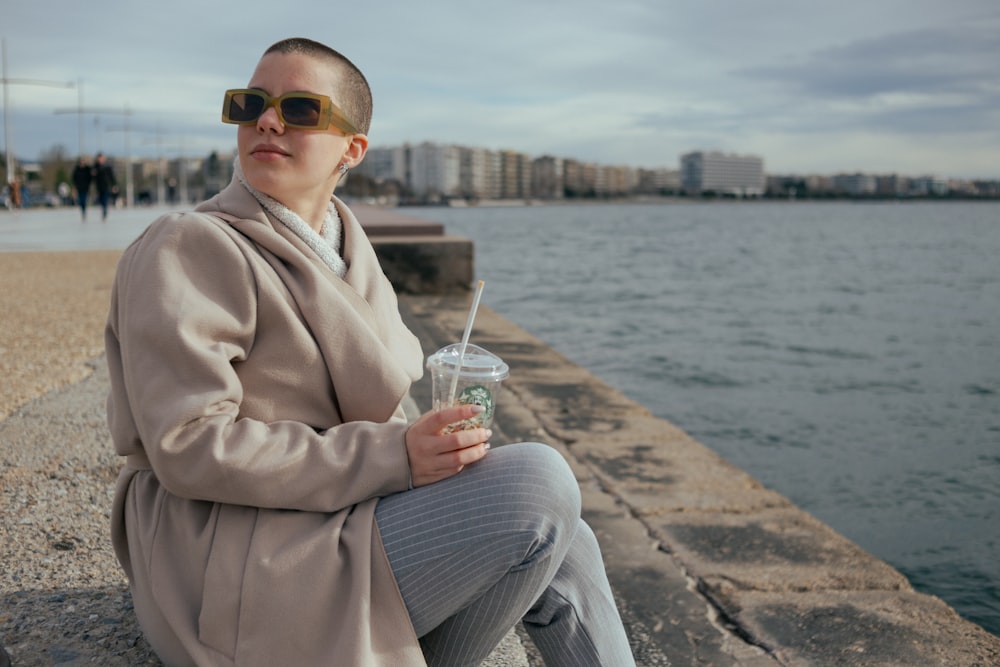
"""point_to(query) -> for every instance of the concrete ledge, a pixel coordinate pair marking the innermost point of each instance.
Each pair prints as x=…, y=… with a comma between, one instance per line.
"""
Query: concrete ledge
x=415, y=254
x=426, y=264
x=378, y=221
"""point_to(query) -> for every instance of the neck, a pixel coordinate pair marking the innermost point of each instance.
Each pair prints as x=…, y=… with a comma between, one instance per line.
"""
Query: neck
x=324, y=238
x=315, y=217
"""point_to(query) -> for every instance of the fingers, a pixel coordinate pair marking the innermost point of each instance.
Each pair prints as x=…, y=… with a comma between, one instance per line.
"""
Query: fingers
x=452, y=462
x=468, y=455
x=435, y=454
x=435, y=444
x=458, y=440
x=434, y=469
x=438, y=420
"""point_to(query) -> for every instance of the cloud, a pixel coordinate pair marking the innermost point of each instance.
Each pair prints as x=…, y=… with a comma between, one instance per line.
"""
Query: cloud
x=631, y=82
x=919, y=81
x=930, y=60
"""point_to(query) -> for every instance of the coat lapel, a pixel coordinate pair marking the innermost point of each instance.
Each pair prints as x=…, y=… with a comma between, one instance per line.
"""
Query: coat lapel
x=371, y=356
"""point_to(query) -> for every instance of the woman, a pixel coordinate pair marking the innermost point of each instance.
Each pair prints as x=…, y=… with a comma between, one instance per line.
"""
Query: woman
x=275, y=506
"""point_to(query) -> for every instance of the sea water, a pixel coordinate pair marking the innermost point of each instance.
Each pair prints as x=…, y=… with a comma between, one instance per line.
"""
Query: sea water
x=845, y=354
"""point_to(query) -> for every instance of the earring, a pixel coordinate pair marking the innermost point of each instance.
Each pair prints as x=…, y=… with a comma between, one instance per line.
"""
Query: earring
x=344, y=167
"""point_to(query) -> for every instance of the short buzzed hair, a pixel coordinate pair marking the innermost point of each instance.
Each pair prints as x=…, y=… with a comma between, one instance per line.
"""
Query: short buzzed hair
x=354, y=95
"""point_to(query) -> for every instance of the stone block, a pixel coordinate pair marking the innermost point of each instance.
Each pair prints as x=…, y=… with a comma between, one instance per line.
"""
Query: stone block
x=426, y=264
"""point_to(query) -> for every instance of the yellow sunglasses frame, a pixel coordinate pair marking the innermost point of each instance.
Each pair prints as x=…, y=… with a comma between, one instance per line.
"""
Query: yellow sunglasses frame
x=329, y=113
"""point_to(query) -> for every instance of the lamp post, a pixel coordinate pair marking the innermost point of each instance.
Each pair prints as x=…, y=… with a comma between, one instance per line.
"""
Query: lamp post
x=97, y=111
x=127, y=129
x=182, y=168
x=6, y=103
x=125, y=111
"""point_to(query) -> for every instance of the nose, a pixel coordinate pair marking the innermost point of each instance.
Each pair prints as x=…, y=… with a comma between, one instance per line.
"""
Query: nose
x=269, y=120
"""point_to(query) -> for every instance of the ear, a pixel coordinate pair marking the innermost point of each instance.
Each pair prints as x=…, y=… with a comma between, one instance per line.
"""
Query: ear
x=357, y=149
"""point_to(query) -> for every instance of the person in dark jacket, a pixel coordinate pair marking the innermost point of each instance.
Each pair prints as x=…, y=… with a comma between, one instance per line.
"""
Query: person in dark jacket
x=104, y=180
x=83, y=174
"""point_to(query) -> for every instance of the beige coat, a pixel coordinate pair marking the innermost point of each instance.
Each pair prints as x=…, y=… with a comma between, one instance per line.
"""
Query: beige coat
x=256, y=397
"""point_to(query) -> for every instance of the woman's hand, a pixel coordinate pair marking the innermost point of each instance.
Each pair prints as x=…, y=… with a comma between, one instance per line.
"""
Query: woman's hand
x=435, y=456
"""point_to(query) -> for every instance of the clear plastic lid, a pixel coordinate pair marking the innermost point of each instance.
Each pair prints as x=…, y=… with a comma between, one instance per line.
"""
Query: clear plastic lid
x=477, y=362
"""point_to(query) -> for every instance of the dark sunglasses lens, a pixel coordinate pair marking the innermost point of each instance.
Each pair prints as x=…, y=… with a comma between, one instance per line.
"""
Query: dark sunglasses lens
x=301, y=111
x=245, y=107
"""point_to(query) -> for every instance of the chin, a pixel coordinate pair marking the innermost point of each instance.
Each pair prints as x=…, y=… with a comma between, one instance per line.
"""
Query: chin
x=261, y=179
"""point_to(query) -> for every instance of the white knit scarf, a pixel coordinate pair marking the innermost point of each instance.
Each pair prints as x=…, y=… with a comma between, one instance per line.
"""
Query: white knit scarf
x=325, y=244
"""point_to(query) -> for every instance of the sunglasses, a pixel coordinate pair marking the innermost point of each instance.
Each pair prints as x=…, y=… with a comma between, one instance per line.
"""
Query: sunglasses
x=305, y=111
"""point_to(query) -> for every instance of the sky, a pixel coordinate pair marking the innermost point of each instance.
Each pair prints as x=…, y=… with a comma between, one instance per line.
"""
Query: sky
x=876, y=86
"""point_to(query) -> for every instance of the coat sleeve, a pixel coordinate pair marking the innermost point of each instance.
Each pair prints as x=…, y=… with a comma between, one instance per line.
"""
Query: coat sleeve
x=184, y=313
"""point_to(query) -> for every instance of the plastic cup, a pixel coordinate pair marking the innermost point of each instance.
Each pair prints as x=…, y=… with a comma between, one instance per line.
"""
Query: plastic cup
x=478, y=382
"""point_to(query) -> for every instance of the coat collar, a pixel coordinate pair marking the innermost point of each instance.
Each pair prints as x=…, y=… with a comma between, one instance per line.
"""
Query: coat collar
x=371, y=356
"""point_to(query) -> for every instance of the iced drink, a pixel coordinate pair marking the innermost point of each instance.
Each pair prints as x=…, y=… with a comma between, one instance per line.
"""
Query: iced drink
x=477, y=382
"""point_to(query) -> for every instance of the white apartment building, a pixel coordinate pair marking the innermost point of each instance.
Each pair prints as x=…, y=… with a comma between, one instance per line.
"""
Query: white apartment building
x=435, y=169
x=386, y=164
x=423, y=169
x=725, y=173
x=430, y=169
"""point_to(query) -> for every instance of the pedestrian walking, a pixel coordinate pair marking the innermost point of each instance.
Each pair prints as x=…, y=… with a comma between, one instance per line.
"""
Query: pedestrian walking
x=104, y=181
x=83, y=175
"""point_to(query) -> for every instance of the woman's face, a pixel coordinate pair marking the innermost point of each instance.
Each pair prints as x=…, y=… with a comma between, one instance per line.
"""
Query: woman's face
x=297, y=167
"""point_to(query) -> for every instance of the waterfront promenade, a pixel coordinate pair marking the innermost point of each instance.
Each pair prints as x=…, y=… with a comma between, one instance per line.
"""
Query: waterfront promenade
x=709, y=567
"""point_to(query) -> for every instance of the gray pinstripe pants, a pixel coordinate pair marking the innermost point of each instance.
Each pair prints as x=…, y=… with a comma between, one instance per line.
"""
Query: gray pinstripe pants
x=503, y=542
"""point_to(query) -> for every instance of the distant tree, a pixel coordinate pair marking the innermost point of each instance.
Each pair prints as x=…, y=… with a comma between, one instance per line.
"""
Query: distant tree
x=359, y=185
x=213, y=175
x=56, y=163
x=212, y=168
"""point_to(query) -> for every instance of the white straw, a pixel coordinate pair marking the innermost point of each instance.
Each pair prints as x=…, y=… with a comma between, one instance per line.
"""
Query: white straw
x=465, y=341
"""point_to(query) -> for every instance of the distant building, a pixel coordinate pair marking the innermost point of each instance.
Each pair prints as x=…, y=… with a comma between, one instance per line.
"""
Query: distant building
x=573, y=183
x=616, y=181
x=658, y=181
x=431, y=172
x=479, y=175
x=579, y=178
x=547, y=178
x=986, y=188
x=435, y=170
x=723, y=173
x=515, y=175
x=386, y=164
x=928, y=185
x=891, y=185
x=855, y=184
x=817, y=183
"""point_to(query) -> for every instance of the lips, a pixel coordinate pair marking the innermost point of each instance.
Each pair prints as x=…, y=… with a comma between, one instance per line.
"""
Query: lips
x=268, y=150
